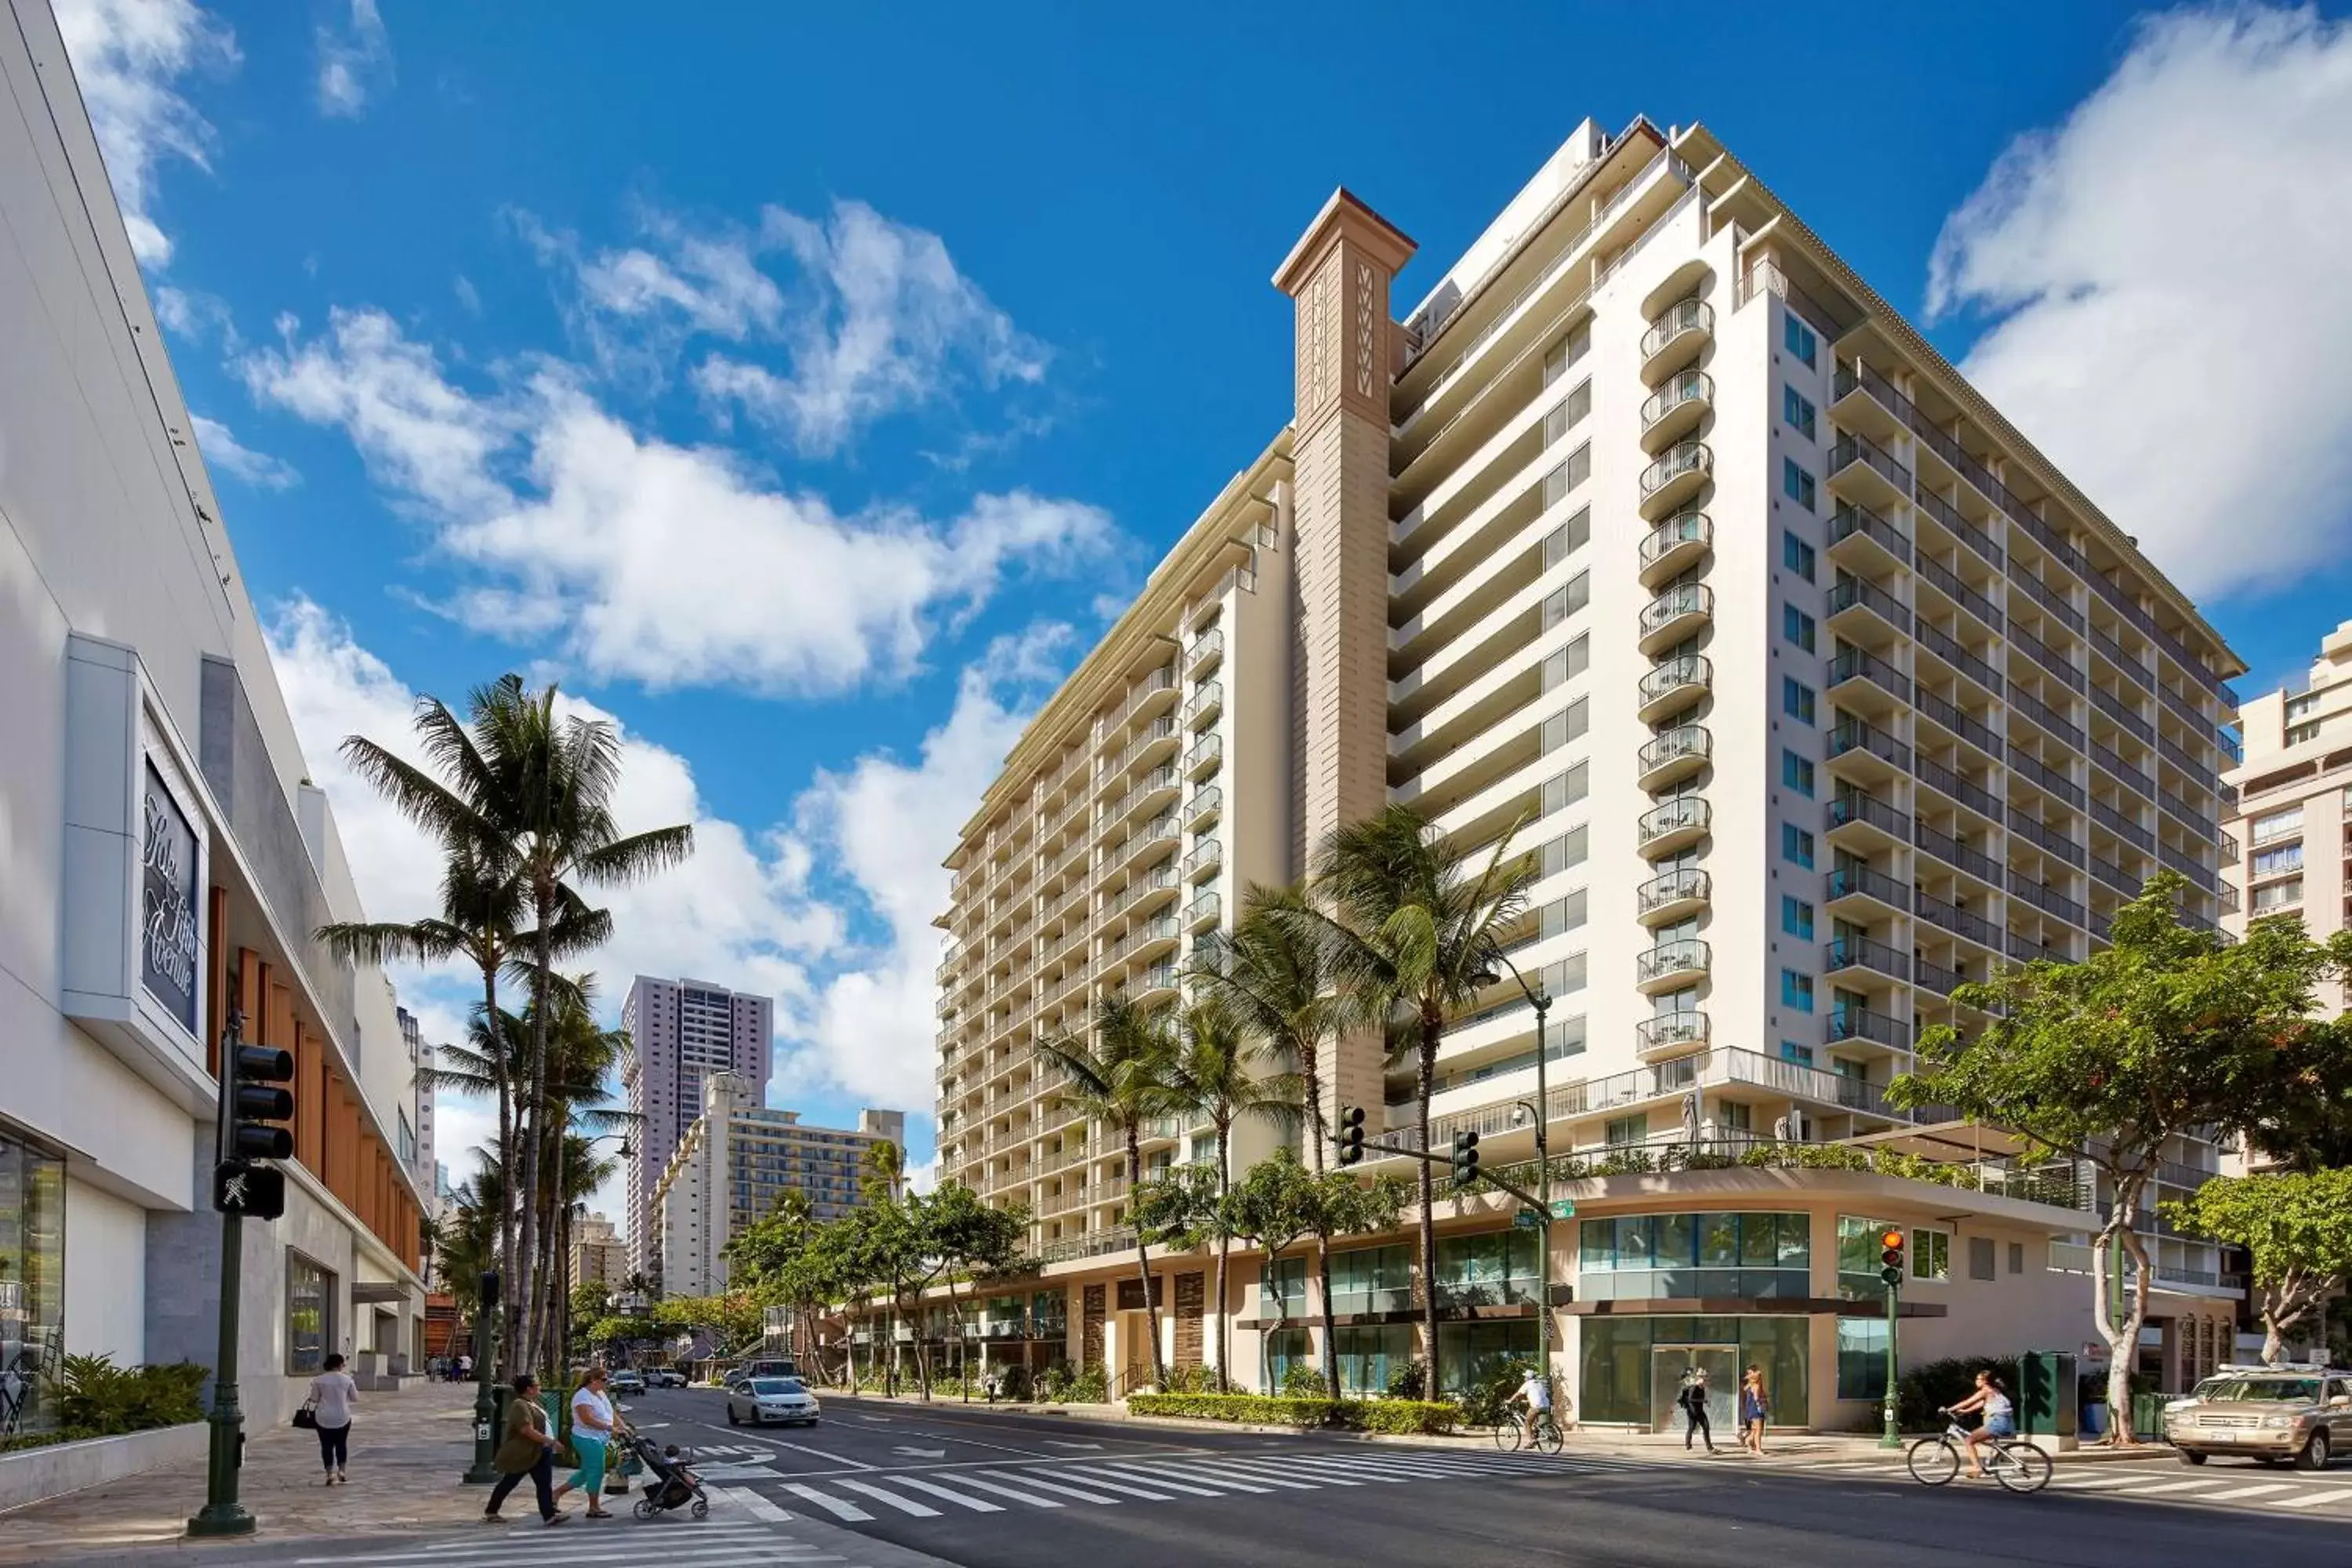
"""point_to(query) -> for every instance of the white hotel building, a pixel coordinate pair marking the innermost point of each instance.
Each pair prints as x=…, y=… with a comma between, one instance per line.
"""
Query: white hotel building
x=163, y=857
x=1652, y=533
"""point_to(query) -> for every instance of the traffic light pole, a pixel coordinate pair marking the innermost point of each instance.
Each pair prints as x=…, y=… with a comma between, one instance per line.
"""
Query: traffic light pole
x=483, y=1472
x=1892, y=1438
x=222, y=1514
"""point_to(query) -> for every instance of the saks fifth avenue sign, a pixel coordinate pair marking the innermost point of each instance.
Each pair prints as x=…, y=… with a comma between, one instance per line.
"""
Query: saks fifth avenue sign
x=168, y=929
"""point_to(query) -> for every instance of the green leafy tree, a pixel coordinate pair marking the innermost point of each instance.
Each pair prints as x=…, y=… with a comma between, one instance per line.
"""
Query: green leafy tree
x=1411, y=927
x=1268, y=1208
x=1280, y=1203
x=2166, y=1030
x=2297, y=1227
x=1215, y=1075
x=973, y=1241
x=1122, y=1082
x=1268, y=970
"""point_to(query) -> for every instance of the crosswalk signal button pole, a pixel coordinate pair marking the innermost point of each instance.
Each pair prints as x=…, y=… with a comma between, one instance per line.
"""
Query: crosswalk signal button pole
x=1890, y=1256
x=1351, y=1135
x=1465, y=1158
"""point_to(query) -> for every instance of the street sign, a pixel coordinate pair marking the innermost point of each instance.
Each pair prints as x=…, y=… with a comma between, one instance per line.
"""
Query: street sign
x=257, y=1192
x=1527, y=1219
x=1563, y=1208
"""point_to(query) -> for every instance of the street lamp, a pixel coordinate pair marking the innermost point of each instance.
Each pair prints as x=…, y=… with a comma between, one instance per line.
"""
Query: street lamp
x=1542, y=1005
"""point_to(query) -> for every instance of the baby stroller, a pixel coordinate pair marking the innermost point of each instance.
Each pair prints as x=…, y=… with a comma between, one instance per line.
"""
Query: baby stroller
x=670, y=1484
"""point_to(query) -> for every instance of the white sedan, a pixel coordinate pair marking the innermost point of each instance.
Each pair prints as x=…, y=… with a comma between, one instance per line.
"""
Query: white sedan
x=762, y=1400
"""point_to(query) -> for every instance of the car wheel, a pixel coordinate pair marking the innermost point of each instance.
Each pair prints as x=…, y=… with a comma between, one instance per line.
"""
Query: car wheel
x=2315, y=1453
x=2190, y=1457
x=733, y=1419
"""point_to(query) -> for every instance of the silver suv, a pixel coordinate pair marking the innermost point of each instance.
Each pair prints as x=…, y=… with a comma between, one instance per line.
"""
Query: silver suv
x=2269, y=1413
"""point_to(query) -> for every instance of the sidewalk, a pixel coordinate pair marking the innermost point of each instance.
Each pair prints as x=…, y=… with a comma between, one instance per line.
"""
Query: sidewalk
x=1806, y=1448
x=408, y=1451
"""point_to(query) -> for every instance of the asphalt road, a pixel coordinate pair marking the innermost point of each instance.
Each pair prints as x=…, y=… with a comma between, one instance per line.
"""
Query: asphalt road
x=879, y=1485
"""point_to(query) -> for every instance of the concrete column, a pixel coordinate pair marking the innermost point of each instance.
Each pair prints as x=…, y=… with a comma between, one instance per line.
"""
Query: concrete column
x=1337, y=277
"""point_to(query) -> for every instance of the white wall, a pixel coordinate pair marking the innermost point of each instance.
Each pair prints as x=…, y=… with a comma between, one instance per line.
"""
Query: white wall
x=106, y=1275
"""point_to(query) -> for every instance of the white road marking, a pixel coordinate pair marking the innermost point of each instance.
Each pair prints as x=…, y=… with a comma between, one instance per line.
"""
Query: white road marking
x=966, y=1479
x=904, y=1505
x=1066, y=1443
x=1106, y=1484
x=1151, y=1478
x=1185, y=1469
x=833, y=1505
x=920, y=1453
x=977, y=1505
x=2173, y=1486
x=751, y=1502
x=1037, y=1478
x=2250, y=1491
x=2314, y=1500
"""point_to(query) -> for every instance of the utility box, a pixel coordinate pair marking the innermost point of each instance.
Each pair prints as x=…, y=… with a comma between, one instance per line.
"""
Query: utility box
x=2049, y=1399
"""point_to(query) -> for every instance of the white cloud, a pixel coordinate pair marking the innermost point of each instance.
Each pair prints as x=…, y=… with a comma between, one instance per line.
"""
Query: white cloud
x=2167, y=265
x=197, y=316
x=888, y=823
x=223, y=451
x=353, y=62
x=128, y=56
x=665, y=564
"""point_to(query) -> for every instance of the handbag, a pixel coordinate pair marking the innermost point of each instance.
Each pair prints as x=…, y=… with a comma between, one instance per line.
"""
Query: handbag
x=307, y=1418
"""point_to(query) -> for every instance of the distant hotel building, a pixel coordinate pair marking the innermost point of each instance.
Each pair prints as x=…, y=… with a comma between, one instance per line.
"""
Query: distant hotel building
x=735, y=1162
x=416, y=1134
x=599, y=1256
x=1653, y=534
x=680, y=1033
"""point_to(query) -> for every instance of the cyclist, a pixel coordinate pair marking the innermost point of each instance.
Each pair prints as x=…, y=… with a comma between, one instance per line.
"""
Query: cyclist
x=1535, y=1392
x=1999, y=1418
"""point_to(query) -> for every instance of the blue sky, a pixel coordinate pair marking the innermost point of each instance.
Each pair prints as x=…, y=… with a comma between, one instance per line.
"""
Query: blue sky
x=803, y=386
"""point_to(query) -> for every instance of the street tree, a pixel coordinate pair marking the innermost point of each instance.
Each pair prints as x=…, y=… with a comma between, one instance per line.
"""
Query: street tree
x=2297, y=1227
x=1268, y=1208
x=2167, y=1029
x=1413, y=925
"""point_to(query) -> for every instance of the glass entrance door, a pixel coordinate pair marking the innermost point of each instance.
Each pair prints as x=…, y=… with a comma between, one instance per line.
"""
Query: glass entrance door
x=1668, y=1363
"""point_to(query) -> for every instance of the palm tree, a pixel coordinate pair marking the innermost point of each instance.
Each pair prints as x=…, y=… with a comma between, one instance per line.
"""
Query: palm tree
x=882, y=1182
x=1269, y=971
x=545, y=799
x=1123, y=1081
x=1413, y=927
x=1211, y=1075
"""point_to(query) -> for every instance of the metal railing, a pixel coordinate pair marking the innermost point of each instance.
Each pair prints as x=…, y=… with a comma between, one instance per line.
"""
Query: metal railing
x=1685, y=670
x=1946, y=646
x=2114, y=655
x=2122, y=771
x=1684, y=811
x=1684, y=386
x=1861, y=592
x=1683, y=527
x=2048, y=899
x=1955, y=920
x=1956, y=589
x=1858, y=880
x=1852, y=517
x=2031, y=829
x=2047, y=597
x=1857, y=805
x=1677, y=886
x=1687, y=456
x=1683, y=316
x=2043, y=654
x=1685, y=599
x=2125, y=717
x=1862, y=953
x=1866, y=1023
x=1948, y=517
x=2032, y=706
x=1681, y=742
x=1854, y=734
x=1851, y=448
x=1858, y=663
x=1958, y=720
x=2122, y=826
x=1952, y=852
x=1683, y=955
x=2033, y=768
x=1661, y=1031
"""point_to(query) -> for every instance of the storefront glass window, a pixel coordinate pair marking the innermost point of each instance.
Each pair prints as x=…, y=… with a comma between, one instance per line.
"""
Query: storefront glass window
x=1691, y=1256
x=1372, y=1280
x=1496, y=1268
x=32, y=1282
x=1862, y=1358
x=1369, y=1356
x=1471, y=1356
x=1285, y=1348
x=310, y=1314
x=1618, y=1362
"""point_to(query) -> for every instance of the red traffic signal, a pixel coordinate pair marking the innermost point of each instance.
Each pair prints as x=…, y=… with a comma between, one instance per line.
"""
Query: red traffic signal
x=1890, y=1242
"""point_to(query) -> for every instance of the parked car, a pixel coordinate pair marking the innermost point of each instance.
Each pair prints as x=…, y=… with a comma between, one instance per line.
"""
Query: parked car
x=762, y=1400
x=628, y=1381
x=666, y=1377
x=2267, y=1413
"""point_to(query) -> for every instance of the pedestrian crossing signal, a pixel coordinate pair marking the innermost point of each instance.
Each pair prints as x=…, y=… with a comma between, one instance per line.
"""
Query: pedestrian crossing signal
x=255, y=1192
x=1351, y=1135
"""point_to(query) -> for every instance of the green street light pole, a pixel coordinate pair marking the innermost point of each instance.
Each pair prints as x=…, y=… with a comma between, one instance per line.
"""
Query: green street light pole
x=1892, y=1438
x=483, y=1472
x=1542, y=1005
x=222, y=1514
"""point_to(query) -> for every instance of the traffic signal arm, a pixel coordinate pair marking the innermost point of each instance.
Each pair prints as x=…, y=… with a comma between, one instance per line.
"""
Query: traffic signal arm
x=1446, y=1160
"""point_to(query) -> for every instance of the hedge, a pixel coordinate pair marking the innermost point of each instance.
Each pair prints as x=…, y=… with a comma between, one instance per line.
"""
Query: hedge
x=1392, y=1415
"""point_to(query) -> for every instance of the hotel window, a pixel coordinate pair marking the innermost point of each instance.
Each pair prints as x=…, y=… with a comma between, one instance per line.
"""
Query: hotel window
x=1567, y=413
x=1796, y=845
x=1566, y=352
x=309, y=1315
x=1793, y=1052
x=1797, y=773
x=1796, y=555
x=2277, y=825
x=2279, y=861
x=1931, y=1254
x=1798, y=411
x=1796, y=990
x=1796, y=483
x=1796, y=700
x=1797, y=918
x=1981, y=1262
x=1796, y=627
x=2278, y=895
x=1624, y=1132
x=1796, y=337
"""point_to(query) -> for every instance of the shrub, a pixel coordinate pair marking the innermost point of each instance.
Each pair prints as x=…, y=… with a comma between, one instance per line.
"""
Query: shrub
x=99, y=1399
x=1488, y=1404
x=1014, y=1383
x=1389, y=1415
x=1091, y=1387
x=1408, y=1380
x=1198, y=1380
x=1302, y=1381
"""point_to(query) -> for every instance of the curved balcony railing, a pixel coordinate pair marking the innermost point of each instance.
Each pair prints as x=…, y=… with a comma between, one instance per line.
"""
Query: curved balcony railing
x=1680, y=536
x=1691, y=672
x=1683, y=743
x=1689, y=457
x=1683, y=885
x=1662, y=1031
x=1687, y=955
x=1687, y=814
x=1689, y=599
x=1674, y=324
x=1680, y=392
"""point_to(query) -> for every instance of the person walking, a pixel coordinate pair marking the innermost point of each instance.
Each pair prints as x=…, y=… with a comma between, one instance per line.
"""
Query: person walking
x=1693, y=1400
x=332, y=1393
x=1755, y=1408
x=594, y=1427
x=529, y=1449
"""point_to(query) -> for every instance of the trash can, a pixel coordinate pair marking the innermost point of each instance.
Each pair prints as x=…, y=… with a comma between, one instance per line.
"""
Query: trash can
x=2148, y=1415
x=2049, y=1398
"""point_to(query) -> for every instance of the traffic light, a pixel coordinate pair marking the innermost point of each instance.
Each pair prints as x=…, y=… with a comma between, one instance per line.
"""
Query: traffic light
x=256, y=1106
x=1465, y=1158
x=488, y=1290
x=1890, y=1253
x=1351, y=1135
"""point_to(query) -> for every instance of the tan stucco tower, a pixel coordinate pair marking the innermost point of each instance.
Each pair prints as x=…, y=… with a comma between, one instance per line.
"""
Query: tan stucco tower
x=1338, y=275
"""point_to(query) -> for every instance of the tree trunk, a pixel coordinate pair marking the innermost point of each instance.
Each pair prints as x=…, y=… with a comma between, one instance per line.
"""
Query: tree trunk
x=1142, y=1260
x=2123, y=1338
x=506, y=1144
x=1224, y=1254
x=542, y=969
x=1330, y=1339
x=1318, y=1133
x=1433, y=1024
x=2274, y=1343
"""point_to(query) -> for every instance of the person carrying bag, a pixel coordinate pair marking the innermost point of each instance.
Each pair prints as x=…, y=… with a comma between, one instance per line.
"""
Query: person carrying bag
x=529, y=1449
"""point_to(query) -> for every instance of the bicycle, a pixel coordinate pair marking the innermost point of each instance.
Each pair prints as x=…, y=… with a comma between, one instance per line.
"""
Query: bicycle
x=1511, y=1434
x=2018, y=1466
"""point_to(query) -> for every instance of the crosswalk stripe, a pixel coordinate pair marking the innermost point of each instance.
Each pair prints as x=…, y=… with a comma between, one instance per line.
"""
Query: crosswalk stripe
x=500, y=1546
x=2314, y=1500
x=1250, y=1470
x=1107, y=1484
x=1154, y=1479
x=1034, y=1478
x=833, y=1505
x=2173, y=1486
x=1415, y=1465
x=1190, y=1470
x=904, y=1505
x=977, y=1505
x=2250, y=1491
x=751, y=1502
x=1337, y=1465
x=966, y=1479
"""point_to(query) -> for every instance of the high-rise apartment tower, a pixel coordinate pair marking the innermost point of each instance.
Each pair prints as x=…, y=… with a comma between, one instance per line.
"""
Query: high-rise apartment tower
x=680, y=1033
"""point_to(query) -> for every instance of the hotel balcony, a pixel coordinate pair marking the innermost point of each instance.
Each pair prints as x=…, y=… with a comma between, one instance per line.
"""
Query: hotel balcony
x=1675, y=409
x=1675, y=825
x=1674, y=686
x=1676, y=479
x=1677, y=613
x=1671, y=965
x=1675, y=546
x=1676, y=895
x=1665, y=1034
x=1673, y=756
x=1677, y=337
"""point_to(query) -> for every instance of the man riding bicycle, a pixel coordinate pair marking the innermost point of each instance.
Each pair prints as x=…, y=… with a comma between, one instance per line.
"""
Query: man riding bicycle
x=1535, y=1392
x=1999, y=1418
